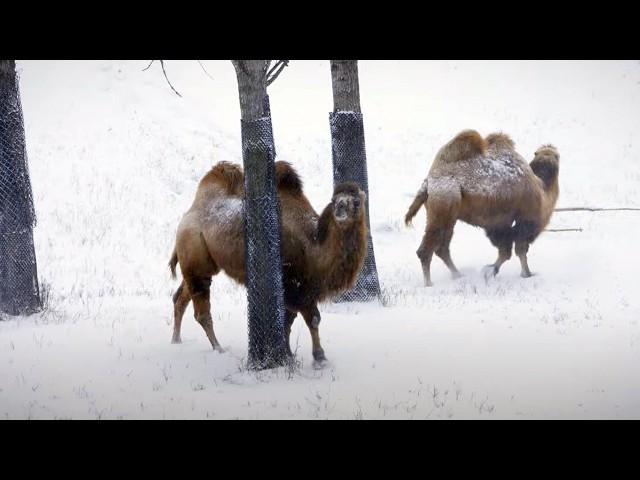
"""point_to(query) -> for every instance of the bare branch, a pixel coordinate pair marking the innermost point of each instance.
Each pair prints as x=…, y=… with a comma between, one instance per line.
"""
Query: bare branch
x=167, y=79
x=205, y=70
x=165, y=75
x=592, y=209
x=273, y=68
x=271, y=76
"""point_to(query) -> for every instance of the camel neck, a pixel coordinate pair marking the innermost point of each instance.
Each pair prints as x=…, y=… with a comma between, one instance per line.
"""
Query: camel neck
x=342, y=254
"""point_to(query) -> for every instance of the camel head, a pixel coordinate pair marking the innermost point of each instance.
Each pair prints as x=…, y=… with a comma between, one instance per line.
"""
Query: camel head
x=548, y=153
x=546, y=164
x=348, y=203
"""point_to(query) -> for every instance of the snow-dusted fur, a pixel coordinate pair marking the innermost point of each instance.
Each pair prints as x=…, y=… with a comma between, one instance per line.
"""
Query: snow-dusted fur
x=322, y=254
x=486, y=183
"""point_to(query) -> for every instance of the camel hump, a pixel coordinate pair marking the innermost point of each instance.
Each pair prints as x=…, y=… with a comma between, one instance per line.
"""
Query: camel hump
x=228, y=174
x=500, y=140
x=287, y=178
x=467, y=144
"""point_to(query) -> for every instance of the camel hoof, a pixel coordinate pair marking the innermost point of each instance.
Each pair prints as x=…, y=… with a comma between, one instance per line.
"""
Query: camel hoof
x=428, y=283
x=218, y=349
x=526, y=274
x=489, y=271
x=456, y=275
x=176, y=341
x=319, y=360
x=319, y=364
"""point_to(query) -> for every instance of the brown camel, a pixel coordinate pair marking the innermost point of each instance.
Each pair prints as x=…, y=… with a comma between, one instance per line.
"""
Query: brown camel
x=322, y=255
x=486, y=183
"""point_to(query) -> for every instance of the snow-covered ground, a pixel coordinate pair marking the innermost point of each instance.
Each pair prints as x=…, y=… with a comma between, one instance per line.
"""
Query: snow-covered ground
x=115, y=157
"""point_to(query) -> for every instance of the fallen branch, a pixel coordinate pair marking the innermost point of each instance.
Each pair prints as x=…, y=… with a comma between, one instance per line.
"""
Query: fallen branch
x=593, y=209
x=563, y=230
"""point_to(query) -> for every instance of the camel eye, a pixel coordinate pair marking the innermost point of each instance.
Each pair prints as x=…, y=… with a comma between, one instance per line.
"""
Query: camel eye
x=356, y=202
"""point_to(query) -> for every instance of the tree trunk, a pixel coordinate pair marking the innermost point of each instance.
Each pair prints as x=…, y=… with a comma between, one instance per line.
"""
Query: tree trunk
x=350, y=162
x=346, y=88
x=19, y=290
x=267, y=113
x=265, y=293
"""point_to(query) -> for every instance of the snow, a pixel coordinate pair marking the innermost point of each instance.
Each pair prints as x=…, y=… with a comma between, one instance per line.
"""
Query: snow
x=115, y=158
x=224, y=211
x=494, y=174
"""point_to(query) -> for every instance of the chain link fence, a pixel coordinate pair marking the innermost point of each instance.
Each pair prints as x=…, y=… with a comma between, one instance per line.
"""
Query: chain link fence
x=265, y=293
x=350, y=165
x=19, y=291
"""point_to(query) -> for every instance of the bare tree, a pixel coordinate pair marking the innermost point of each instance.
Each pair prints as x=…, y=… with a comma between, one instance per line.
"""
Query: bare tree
x=19, y=292
x=350, y=160
x=265, y=293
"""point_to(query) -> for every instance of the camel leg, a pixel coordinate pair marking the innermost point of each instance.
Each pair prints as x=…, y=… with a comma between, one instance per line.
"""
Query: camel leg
x=522, y=248
x=430, y=242
x=199, y=288
x=502, y=239
x=443, y=251
x=311, y=316
x=289, y=317
x=181, y=300
x=441, y=218
x=525, y=233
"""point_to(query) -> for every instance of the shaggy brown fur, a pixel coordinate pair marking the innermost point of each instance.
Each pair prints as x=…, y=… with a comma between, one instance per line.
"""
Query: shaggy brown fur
x=499, y=140
x=322, y=254
x=486, y=183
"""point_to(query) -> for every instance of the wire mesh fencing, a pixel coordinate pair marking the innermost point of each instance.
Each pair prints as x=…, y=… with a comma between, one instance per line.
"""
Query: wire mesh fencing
x=350, y=165
x=265, y=293
x=19, y=290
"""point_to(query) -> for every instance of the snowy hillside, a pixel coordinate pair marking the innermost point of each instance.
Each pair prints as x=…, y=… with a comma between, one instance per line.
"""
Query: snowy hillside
x=115, y=157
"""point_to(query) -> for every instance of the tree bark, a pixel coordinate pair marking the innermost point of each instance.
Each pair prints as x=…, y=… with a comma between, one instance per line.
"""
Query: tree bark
x=265, y=293
x=7, y=67
x=350, y=162
x=19, y=289
x=345, y=84
x=252, y=87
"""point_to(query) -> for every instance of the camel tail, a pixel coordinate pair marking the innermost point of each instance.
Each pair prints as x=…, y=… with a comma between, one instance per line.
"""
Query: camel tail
x=418, y=201
x=172, y=263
